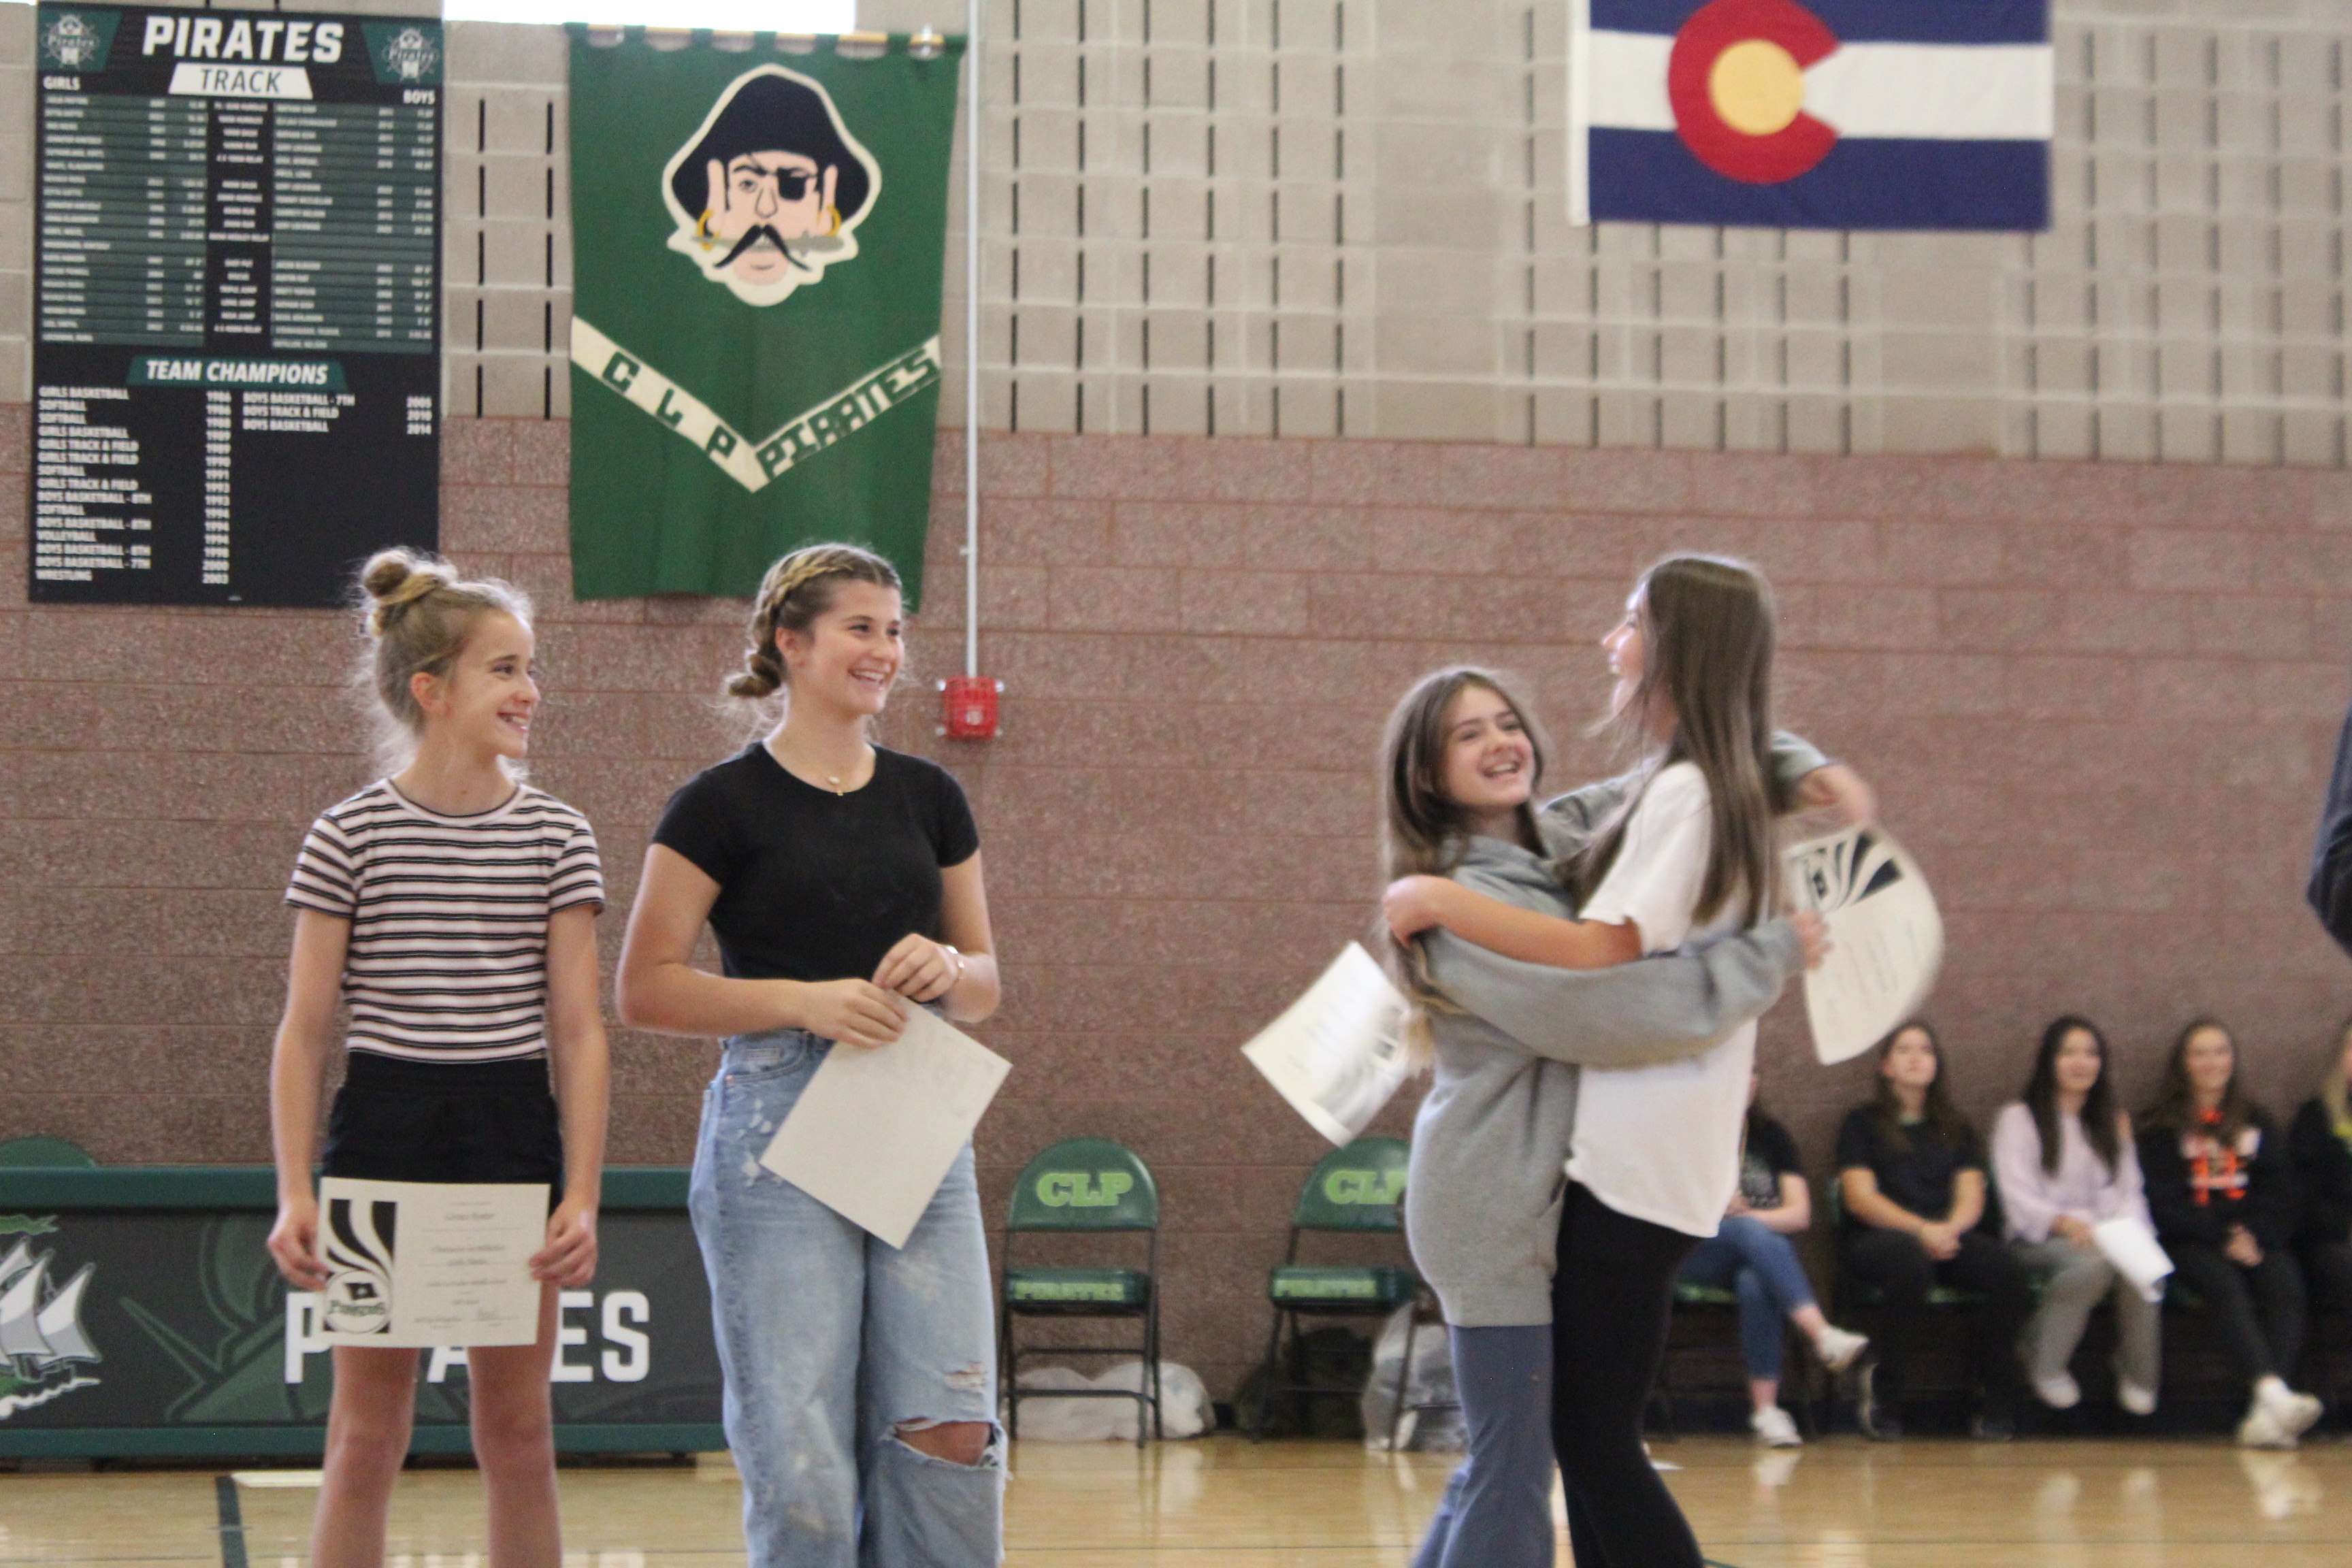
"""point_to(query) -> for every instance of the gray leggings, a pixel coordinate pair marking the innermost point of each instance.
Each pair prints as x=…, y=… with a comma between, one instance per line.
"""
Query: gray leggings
x=1496, y=1510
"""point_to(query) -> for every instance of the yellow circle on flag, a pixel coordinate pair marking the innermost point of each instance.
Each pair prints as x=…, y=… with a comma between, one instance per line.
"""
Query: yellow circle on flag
x=1757, y=86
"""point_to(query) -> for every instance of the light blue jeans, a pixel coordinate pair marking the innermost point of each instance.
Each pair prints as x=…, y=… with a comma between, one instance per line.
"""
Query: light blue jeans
x=1761, y=1264
x=831, y=1341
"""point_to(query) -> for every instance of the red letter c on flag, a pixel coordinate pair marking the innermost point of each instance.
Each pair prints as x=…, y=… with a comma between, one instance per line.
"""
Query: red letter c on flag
x=1735, y=80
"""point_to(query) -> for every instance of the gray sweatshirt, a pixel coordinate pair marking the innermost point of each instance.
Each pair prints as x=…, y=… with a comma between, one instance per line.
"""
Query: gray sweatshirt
x=1490, y=1143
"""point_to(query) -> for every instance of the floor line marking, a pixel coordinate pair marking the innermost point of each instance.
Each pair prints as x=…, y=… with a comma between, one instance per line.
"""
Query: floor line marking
x=232, y=1521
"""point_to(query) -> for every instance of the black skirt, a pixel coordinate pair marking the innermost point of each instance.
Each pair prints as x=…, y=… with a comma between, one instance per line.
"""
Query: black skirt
x=400, y=1121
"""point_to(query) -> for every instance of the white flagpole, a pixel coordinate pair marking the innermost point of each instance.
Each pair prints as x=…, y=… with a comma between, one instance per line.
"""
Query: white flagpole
x=1579, y=112
x=971, y=344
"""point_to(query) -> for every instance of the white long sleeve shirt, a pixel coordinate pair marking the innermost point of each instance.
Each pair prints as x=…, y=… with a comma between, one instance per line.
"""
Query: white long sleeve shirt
x=2031, y=1199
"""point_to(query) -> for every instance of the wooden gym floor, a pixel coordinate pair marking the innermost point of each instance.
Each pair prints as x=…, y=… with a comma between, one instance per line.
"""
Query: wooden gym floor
x=1836, y=1504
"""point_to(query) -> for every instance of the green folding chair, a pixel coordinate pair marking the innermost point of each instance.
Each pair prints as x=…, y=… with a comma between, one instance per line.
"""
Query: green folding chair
x=45, y=1153
x=1359, y=1191
x=1083, y=1186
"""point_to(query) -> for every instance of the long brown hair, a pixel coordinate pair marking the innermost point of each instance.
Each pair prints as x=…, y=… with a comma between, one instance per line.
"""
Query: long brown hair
x=1940, y=1113
x=1707, y=625
x=2099, y=1118
x=2175, y=1107
x=1424, y=830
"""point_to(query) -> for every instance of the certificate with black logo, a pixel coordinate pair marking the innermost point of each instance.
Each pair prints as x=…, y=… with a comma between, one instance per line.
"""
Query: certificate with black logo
x=413, y=1264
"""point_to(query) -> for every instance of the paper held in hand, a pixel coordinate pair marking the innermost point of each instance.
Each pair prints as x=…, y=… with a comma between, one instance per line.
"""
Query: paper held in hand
x=1334, y=1053
x=1888, y=939
x=2137, y=1256
x=412, y=1264
x=873, y=1134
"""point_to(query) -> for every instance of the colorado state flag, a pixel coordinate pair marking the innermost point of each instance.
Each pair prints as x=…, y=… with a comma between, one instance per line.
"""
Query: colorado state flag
x=1812, y=113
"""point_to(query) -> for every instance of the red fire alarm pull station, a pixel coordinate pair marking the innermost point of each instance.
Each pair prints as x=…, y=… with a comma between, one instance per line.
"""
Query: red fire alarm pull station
x=970, y=707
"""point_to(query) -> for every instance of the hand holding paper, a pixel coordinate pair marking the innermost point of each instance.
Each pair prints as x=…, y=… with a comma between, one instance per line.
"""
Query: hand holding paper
x=412, y=1264
x=1334, y=1053
x=1886, y=936
x=873, y=1134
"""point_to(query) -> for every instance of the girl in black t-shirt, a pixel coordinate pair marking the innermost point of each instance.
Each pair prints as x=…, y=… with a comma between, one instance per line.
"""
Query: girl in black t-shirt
x=2223, y=1194
x=1912, y=1172
x=839, y=878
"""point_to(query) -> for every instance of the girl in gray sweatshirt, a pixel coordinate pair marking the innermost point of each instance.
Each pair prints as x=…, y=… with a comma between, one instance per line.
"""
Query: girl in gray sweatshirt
x=1506, y=1041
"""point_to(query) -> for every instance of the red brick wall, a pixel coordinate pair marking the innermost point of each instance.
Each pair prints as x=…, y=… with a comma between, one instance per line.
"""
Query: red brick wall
x=2098, y=700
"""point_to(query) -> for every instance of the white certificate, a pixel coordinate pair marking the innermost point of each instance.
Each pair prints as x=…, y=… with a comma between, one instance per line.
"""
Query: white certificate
x=411, y=1264
x=1886, y=935
x=873, y=1134
x=2137, y=1256
x=1334, y=1053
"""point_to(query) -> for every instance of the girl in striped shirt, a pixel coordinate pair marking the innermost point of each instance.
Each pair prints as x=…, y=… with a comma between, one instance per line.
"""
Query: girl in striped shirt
x=453, y=909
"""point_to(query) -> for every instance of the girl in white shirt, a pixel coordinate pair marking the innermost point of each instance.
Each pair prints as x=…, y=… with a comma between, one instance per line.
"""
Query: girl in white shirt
x=2063, y=1160
x=1654, y=1158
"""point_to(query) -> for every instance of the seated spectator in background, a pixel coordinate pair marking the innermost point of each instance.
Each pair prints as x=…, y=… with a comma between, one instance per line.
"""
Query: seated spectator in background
x=2321, y=1147
x=1751, y=1253
x=2222, y=1192
x=2064, y=1162
x=1912, y=1171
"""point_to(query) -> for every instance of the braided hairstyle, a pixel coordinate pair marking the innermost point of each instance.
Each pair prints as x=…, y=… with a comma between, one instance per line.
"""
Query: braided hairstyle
x=795, y=591
x=417, y=614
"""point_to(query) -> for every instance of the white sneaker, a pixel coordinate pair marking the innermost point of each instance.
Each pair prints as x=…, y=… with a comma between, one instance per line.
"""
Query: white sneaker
x=2059, y=1391
x=1837, y=1347
x=2263, y=1430
x=2294, y=1412
x=1775, y=1429
x=2134, y=1400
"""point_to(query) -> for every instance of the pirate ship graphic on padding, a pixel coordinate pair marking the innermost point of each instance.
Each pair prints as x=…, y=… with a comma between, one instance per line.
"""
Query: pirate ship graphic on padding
x=42, y=1345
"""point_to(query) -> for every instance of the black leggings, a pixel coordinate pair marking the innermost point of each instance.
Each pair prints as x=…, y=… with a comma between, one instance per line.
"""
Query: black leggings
x=2259, y=1311
x=1611, y=1298
x=1896, y=1262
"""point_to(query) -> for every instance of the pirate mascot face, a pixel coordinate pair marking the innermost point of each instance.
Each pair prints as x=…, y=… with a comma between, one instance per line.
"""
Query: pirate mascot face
x=772, y=189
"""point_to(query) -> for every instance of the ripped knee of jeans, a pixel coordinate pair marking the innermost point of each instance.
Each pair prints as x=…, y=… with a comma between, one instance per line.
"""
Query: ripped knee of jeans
x=972, y=1444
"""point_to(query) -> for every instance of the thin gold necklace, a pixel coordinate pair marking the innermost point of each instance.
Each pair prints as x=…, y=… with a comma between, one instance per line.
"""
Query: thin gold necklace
x=832, y=780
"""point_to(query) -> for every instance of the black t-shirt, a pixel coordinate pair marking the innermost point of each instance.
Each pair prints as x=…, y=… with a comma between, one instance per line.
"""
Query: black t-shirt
x=816, y=885
x=1770, y=1154
x=1919, y=1176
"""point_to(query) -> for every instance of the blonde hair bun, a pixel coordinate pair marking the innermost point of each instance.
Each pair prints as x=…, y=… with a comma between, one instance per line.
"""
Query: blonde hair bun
x=393, y=578
x=418, y=613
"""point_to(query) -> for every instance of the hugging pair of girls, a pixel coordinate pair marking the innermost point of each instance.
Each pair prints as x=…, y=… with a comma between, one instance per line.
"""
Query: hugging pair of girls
x=1585, y=976
x=452, y=908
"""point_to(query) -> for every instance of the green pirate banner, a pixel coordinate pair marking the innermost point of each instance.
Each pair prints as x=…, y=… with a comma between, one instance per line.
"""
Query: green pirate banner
x=757, y=245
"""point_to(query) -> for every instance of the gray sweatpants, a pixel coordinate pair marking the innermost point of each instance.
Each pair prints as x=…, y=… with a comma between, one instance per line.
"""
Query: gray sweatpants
x=1496, y=1510
x=2072, y=1280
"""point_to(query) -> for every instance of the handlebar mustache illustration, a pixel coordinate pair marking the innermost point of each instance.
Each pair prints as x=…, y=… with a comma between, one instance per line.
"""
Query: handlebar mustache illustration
x=758, y=232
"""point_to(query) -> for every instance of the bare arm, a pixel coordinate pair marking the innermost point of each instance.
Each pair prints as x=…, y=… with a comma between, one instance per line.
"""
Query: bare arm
x=659, y=989
x=1415, y=904
x=581, y=1067
x=1795, y=1214
x=922, y=969
x=1968, y=1200
x=297, y=1070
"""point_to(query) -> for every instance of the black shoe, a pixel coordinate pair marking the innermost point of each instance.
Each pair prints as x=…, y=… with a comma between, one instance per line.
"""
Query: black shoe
x=1995, y=1423
x=1875, y=1405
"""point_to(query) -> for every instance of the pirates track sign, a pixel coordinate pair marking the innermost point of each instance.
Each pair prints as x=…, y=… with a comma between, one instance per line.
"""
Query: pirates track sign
x=758, y=245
